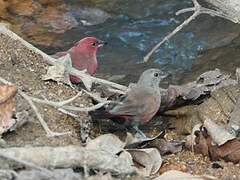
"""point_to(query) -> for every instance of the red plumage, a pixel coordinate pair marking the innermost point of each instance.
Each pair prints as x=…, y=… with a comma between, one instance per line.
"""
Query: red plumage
x=83, y=55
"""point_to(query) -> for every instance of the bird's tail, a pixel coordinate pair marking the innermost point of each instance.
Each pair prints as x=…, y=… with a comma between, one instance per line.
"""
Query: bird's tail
x=100, y=114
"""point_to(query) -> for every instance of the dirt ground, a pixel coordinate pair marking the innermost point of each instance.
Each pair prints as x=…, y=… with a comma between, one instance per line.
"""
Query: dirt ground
x=25, y=69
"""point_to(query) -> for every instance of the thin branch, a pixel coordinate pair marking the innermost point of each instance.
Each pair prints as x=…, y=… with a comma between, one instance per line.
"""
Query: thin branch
x=60, y=106
x=88, y=109
x=50, y=60
x=53, y=103
x=63, y=108
x=39, y=117
x=25, y=163
x=198, y=9
x=95, y=96
x=180, y=27
x=67, y=113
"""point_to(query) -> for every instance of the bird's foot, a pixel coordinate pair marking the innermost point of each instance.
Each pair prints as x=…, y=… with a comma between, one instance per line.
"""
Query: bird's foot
x=139, y=133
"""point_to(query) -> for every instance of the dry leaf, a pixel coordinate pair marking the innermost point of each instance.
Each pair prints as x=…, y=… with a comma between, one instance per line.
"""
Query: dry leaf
x=219, y=134
x=60, y=71
x=107, y=142
x=137, y=141
x=166, y=147
x=150, y=160
x=230, y=151
x=204, y=85
x=178, y=175
x=7, y=107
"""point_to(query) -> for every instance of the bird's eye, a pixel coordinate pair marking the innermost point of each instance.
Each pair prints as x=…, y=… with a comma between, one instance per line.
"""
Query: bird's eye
x=156, y=74
x=94, y=44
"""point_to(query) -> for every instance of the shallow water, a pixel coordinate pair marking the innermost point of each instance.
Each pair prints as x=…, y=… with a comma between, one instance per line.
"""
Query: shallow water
x=133, y=29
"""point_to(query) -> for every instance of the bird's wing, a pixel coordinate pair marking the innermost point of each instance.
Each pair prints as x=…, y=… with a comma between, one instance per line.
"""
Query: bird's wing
x=136, y=104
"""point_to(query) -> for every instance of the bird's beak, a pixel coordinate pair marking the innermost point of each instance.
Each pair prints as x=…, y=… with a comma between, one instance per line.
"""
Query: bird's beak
x=101, y=43
x=163, y=75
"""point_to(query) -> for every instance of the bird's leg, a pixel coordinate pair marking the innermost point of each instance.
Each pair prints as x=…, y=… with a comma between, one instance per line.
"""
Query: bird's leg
x=139, y=132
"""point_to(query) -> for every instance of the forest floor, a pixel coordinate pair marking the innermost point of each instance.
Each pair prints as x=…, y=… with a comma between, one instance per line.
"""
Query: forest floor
x=24, y=68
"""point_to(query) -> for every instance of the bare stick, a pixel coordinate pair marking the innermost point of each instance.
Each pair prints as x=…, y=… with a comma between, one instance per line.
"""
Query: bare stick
x=41, y=120
x=87, y=109
x=198, y=9
x=95, y=97
x=69, y=157
x=39, y=117
x=25, y=163
x=50, y=60
x=53, y=103
x=60, y=105
x=180, y=27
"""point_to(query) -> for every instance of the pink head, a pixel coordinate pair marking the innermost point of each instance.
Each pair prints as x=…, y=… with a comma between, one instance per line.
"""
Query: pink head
x=89, y=45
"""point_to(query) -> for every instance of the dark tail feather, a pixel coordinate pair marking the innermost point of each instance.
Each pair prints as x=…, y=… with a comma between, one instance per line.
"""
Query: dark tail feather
x=103, y=114
x=100, y=114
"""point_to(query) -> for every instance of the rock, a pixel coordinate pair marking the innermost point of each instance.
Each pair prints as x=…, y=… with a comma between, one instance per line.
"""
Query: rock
x=218, y=108
x=40, y=22
x=90, y=16
x=3, y=11
x=21, y=8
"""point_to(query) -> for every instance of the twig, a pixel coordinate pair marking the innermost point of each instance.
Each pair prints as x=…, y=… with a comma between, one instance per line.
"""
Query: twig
x=50, y=60
x=63, y=108
x=53, y=103
x=69, y=157
x=60, y=106
x=198, y=9
x=68, y=113
x=25, y=163
x=180, y=27
x=88, y=109
x=39, y=117
x=41, y=120
x=94, y=96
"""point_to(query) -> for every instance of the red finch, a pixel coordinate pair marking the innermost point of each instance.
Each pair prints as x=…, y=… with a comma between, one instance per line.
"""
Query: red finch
x=83, y=55
x=139, y=105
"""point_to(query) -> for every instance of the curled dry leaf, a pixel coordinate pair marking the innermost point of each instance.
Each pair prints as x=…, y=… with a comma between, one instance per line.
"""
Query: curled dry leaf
x=178, y=175
x=60, y=71
x=107, y=142
x=166, y=147
x=149, y=160
x=219, y=134
x=190, y=92
x=137, y=141
x=7, y=107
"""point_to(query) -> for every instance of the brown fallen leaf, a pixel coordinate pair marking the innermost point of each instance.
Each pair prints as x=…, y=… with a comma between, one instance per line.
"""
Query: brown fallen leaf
x=229, y=151
x=150, y=160
x=7, y=107
x=166, y=147
x=107, y=142
x=138, y=141
x=204, y=144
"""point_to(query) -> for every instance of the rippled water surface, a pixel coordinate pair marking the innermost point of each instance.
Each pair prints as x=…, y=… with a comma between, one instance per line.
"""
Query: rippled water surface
x=134, y=28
